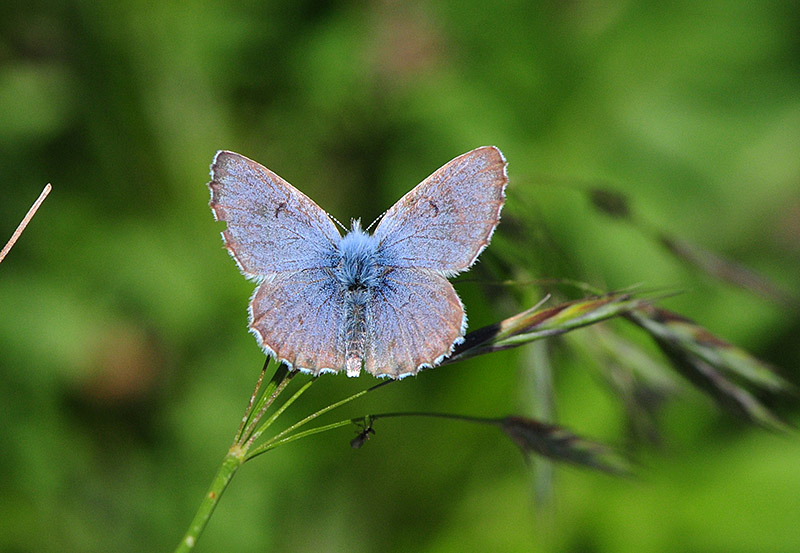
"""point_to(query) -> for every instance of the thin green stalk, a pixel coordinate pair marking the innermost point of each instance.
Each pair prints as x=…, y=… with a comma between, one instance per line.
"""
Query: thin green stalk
x=233, y=460
x=541, y=384
x=276, y=385
x=249, y=409
x=249, y=430
x=270, y=444
x=451, y=416
x=280, y=440
x=260, y=430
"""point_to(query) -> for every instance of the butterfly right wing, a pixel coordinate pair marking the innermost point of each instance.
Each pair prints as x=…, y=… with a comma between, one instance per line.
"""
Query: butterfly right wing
x=436, y=230
x=272, y=226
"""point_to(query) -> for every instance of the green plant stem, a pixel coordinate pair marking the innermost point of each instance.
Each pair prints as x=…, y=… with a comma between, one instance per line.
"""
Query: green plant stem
x=249, y=431
x=233, y=460
x=273, y=389
x=451, y=416
x=541, y=389
x=272, y=444
x=266, y=424
x=249, y=410
x=279, y=438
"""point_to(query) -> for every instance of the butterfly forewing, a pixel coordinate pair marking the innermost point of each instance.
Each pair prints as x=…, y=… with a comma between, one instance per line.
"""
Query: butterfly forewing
x=447, y=220
x=272, y=226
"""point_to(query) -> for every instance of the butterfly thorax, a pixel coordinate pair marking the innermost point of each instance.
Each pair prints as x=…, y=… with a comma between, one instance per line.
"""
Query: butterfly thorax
x=357, y=269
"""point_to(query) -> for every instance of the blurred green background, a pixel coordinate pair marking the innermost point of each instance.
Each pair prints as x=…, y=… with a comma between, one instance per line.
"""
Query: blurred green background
x=125, y=364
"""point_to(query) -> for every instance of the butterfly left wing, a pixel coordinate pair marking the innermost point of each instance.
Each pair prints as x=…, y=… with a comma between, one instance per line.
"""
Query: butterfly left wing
x=297, y=318
x=280, y=237
x=415, y=319
x=448, y=219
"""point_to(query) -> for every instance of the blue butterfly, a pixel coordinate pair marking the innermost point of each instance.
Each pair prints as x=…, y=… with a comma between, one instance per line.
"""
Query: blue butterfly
x=379, y=302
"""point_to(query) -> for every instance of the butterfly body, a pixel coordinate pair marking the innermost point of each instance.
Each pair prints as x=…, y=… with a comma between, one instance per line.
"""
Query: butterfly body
x=379, y=302
x=358, y=276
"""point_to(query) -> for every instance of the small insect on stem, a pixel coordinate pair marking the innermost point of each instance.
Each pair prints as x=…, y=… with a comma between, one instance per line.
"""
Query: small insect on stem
x=366, y=429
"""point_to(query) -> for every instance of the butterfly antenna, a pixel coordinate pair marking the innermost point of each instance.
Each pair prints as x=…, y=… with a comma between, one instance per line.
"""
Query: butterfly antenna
x=335, y=220
x=372, y=224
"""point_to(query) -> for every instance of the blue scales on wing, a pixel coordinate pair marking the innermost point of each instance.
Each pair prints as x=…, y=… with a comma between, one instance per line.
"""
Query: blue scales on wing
x=272, y=226
x=415, y=319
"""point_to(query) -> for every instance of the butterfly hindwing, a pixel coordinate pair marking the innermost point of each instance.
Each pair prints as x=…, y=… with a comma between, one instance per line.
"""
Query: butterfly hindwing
x=297, y=317
x=417, y=318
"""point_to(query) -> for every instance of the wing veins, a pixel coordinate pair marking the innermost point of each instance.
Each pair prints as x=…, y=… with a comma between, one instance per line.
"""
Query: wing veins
x=425, y=286
x=306, y=285
x=405, y=331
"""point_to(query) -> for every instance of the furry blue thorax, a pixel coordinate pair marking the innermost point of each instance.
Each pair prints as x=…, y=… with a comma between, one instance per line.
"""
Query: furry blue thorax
x=357, y=269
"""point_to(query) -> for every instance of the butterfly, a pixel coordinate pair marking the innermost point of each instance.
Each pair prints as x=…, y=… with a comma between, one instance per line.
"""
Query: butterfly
x=377, y=302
